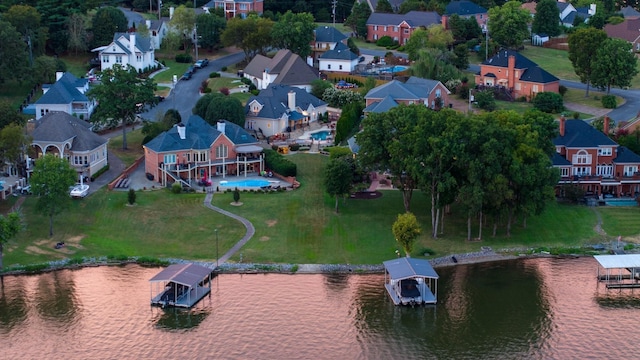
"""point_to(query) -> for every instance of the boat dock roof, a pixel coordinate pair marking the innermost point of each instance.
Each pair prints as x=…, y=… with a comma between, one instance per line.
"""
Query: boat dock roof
x=627, y=261
x=406, y=267
x=184, y=274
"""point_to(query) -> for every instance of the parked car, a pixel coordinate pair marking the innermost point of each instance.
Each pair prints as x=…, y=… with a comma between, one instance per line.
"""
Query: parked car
x=187, y=75
x=159, y=98
x=201, y=63
x=192, y=69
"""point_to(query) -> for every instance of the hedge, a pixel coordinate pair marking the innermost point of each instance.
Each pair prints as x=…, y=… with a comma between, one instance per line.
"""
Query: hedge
x=279, y=163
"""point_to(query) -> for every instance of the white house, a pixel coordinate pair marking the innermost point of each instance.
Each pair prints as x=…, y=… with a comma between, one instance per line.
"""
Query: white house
x=340, y=59
x=127, y=49
x=285, y=68
x=67, y=95
x=158, y=29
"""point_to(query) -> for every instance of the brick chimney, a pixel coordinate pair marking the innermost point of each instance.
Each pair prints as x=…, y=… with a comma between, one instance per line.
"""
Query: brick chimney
x=605, y=128
x=511, y=78
x=562, y=124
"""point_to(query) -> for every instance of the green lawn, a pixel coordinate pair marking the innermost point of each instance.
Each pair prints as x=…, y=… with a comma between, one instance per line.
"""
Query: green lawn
x=291, y=227
x=78, y=65
x=173, y=68
x=134, y=146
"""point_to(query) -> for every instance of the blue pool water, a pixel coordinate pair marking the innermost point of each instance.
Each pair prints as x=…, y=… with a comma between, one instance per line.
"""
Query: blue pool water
x=245, y=183
x=320, y=135
x=621, y=202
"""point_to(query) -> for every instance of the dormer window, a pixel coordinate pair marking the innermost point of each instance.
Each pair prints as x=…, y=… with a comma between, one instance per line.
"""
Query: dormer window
x=604, y=151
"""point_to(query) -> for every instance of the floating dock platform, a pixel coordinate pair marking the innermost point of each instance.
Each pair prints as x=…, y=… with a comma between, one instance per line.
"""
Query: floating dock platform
x=183, y=285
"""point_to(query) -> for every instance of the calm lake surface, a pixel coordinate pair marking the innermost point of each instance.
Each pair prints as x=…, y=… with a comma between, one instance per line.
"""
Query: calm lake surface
x=535, y=308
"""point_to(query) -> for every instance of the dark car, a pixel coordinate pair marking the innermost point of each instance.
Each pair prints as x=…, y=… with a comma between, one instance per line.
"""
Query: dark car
x=159, y=98
x=192, y=69
x=201, y=63
x=187, y=75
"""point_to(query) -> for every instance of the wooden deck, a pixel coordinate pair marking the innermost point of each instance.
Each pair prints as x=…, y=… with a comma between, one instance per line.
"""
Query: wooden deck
x=186, y=300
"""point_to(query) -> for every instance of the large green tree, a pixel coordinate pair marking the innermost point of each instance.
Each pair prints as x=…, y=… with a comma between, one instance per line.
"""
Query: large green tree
x=119, y=95
x=252, y=35
x=338, y=178
x=184, y=23
x=508, y=24
x=406, y=230
x=294, y=32
x=13, y=141
x=10, y=225
x=27, y=20
x=384, y=6
x=12, y=52
x=583, y=44
x=77, y=32
x=357, y=20
x=615, y=64
x=546, y=19
x=210, y=27
x=106, y=22
x=52, y=176
x=8, y=114
x=221, y=107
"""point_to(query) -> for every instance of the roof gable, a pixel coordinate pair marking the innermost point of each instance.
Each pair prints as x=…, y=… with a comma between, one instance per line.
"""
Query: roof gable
x=328, y=34
x=289, y=68
x=60, y=127
x=579, y=134
x=64, y=91
x=274, y=100
x=340, y=52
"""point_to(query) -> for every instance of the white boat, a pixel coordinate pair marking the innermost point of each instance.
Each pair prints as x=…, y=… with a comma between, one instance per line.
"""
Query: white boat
x=79, y=191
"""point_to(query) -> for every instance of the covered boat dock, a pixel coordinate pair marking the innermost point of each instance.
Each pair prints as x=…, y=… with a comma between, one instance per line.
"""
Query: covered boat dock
x=403, y=276
x=183, y=285
x=620, y=271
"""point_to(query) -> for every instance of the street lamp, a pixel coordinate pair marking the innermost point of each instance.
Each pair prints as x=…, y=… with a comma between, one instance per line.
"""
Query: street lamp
x=217, y=256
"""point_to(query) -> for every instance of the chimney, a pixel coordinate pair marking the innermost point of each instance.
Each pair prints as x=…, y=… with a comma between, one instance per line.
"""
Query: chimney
x=291, y=97
x=221, y=126
x=511, y=77
x=171, y=10
x=132, y=43
x=562, y=124
x=605, y=128
x=592, y=9
x=182, y=131
x=59, y=75
x=148, y=22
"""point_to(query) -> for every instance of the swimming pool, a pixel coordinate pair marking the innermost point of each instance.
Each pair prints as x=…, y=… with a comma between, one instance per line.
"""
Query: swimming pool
x=621, y=202
x=319, y=135
x=397, y=68
x=251, y=183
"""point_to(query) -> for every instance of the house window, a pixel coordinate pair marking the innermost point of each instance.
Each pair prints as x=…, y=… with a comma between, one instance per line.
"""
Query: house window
x=564, y=172
x=375, y=28
x=438, y=93
x=604, y=151
x=517, y=73
x=518, y=86
x=395, y=29
x=105, y=59
x=118, y=59
x=375, y=36
x=329, y=66
x=114, y=49
x=630, y=170
x=170, y=158
x=340, y=67
x=581, y=157
x=395, y=38
x=637, y=46
x=222, y=151
x=605, y=170
x=41, y=112
x=243, y=6
x=406, y=31
x=535, y=88
x=385, y=28
x=582, y=171
x=139, y=58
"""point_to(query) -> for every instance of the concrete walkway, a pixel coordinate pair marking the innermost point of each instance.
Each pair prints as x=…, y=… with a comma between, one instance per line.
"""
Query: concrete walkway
x=250, y=229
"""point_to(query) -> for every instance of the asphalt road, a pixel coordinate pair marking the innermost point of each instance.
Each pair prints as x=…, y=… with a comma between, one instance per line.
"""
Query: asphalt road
x=185, y=94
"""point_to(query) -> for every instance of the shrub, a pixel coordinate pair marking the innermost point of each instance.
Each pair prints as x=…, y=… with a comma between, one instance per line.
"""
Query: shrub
x=609, y=102
x=214, y=75
x=562, y=90
x=131, y=197
x=279, y=163
x=206, y=90
x=224, y=91
x=485, y=100
x=224, y=68
x=548, y=102
x=184, y=58
x=385, y=41
x=576, y=115
x=294, y=147
x=246, y=81
x=255, y=92
x=236, y=195
x=176, y=188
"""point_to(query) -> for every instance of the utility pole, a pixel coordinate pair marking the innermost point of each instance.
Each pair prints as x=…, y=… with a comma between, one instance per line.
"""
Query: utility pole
x=486, y=47
x=333, y=9
x=196, y=31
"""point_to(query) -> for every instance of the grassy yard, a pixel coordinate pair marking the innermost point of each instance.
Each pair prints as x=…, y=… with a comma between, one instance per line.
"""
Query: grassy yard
x=173, y=68
x=134, y=146
x=78, y=65
x=291, y=227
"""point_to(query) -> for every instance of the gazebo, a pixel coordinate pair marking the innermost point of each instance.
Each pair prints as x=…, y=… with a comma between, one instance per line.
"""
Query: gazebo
x=182, y=285
x=411, y=281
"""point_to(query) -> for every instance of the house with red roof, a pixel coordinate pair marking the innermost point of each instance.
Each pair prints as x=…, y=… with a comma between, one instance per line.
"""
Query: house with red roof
x=399, y=26
x=628, y=30
x=194, y=150
x=588, y=158
x=515, y=75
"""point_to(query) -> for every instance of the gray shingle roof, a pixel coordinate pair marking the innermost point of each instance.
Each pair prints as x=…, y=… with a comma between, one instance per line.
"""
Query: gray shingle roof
x=340, y=52
x=413, y=89
x=532, y=73
x=328, y=34
x=413, y=18
x=626, y=156
x=275, y=99
x=142, y=43
x=64, y=91
x=60, y=127
x=559, y=160
x=464, y=8
x=199, y=135
x=291, y=69
x=382, y=106
x=579, y=134
x=629, y=12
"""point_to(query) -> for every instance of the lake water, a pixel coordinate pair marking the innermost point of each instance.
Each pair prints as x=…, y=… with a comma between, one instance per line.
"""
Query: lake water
x=536, y=308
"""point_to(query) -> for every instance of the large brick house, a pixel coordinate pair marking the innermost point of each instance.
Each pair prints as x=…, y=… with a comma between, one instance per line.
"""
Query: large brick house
x=466, y=9
x=193, y=150
x=590, y=159
x=628, y=30
x=515, y=75
x=237, y=8
x=399, y=26
x=416, y=90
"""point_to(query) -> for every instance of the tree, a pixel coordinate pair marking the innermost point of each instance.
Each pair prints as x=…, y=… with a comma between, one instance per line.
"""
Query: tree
x=142, y=30
x=418, y=41
x=485, y=100
x=223, y=107
x=434, y=64
x=338, y=178
x=9, y=115
x=12, y=52
x=106, y=22
x=384, y=6
x=294, y=32
x=27, y=21
x=615, y=64
x=52, y=176
x=78, y=35
x=10, y=226
x=131, y=196
x=210, y=27
x=13, y=141
x=184, y=22
x=439, y=37
x=252, y=35
x=318, y=86
x=546, y=19
x=412, y=5
x=236, y=195
x=406, y=230
x=119, y=96
x=461, y=57
x=509, y=24
x=583, y=44
x=352, y=46
x=44, y=69
x=357, y=20
x=548, y=102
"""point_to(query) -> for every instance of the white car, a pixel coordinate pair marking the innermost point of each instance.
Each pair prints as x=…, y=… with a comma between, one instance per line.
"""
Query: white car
x=79, y=191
